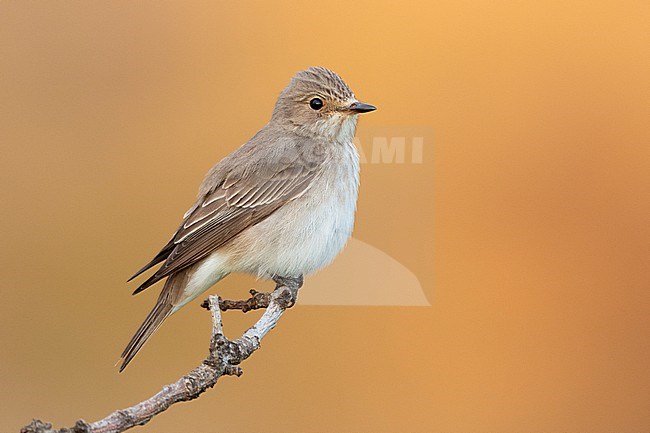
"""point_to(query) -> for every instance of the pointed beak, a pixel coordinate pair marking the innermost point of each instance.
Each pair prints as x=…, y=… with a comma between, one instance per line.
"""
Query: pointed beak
x=360, y=107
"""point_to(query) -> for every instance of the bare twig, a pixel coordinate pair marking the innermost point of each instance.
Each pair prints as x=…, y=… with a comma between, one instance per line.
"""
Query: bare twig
x=224, y=359
x=256, y=301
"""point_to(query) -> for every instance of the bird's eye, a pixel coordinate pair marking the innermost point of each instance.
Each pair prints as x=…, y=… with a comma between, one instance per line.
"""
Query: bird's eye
x=316, y=104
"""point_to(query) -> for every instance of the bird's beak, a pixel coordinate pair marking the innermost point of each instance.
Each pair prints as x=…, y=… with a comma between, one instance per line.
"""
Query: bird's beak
x=360, y=107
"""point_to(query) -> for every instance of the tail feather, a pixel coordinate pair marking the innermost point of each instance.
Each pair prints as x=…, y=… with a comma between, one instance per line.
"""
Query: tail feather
x=150, y=325
x=168, y=299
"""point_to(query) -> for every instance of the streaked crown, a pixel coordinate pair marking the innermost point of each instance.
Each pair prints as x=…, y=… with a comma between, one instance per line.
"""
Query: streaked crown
x=318, y=103
x=323, y=81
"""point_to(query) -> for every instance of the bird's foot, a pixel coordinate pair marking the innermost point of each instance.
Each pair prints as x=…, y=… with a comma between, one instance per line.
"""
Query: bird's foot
x=262, y=299
x=291, y=283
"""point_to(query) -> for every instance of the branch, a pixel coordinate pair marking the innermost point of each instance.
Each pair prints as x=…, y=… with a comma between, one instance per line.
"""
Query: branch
x=223, y=360
x=256, y=301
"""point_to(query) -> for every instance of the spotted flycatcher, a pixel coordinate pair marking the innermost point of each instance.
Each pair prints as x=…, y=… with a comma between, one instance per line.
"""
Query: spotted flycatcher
x=280, y=206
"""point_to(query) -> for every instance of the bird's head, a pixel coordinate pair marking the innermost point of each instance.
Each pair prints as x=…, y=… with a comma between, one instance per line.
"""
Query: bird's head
x=317, y=103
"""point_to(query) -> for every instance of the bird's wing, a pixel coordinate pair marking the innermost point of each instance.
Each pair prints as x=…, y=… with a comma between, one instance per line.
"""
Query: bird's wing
x=243, y=198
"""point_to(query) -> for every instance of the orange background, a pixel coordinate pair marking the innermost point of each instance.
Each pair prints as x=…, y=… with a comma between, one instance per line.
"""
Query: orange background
x=527, y=223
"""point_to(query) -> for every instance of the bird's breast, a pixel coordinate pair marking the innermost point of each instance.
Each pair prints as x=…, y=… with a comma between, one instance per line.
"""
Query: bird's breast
x=307, y=233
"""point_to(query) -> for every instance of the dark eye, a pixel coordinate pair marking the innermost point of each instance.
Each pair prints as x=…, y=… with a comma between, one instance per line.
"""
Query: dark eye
x=316, y=104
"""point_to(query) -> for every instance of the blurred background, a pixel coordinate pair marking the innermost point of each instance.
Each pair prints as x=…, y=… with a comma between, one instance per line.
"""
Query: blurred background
x=525, y=224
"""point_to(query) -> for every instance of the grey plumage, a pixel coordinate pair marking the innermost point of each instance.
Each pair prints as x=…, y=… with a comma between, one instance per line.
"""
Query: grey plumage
x=282, y=204
x=241, y=192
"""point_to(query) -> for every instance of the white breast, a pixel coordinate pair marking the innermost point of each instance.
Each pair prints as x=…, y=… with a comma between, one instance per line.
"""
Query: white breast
x=307, y=233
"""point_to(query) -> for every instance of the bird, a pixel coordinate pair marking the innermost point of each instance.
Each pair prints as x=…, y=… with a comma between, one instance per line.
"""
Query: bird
x=282, y=205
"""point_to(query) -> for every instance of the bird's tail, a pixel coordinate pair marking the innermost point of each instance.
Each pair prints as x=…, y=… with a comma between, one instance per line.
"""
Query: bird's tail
x=162, y=310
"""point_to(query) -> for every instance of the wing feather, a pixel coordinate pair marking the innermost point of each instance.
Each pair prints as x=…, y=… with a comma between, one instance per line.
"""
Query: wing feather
x=239, y=201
